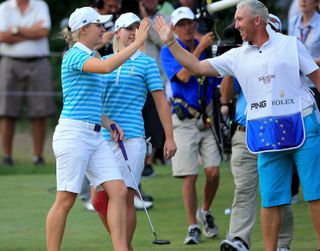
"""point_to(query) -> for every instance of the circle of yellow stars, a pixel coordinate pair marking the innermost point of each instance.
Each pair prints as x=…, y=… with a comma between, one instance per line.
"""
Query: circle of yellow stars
x=263, y=140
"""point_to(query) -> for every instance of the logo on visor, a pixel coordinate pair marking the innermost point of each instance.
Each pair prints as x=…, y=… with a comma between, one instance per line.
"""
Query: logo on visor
x=84, y=21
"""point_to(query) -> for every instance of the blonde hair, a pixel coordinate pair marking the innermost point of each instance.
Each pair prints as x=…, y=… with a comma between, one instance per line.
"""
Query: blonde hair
x=70, y=37
x=116, y=42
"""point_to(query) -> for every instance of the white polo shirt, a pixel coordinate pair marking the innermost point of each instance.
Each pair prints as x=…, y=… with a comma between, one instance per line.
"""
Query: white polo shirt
x=10, y=16
x=235, y=63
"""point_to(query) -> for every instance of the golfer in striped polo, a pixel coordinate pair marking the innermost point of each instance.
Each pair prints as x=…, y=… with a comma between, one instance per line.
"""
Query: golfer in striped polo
x=125, y=95
x=78, y=146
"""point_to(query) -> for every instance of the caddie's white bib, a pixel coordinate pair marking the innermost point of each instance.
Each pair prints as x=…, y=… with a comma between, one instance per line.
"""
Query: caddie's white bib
x=273, y=88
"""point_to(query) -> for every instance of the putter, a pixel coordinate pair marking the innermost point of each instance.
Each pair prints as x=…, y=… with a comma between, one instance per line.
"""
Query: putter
x=124, y=153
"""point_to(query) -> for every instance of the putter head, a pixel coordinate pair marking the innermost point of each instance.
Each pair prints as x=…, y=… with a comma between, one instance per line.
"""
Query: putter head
x=161, y=242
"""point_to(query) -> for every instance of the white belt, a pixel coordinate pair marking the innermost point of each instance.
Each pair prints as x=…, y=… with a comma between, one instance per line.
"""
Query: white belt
x=80, y=124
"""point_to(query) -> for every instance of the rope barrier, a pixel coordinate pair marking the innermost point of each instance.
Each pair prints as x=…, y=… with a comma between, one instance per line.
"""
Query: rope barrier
x=31, y=93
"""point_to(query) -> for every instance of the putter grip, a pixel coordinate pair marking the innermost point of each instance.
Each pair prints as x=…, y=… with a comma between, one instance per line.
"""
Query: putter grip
x=120, y=142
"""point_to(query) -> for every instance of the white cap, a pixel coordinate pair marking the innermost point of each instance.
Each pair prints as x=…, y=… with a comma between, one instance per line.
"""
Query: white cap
x=125, y=20
x=86, y=15
x=275, y=22
x=181, y=13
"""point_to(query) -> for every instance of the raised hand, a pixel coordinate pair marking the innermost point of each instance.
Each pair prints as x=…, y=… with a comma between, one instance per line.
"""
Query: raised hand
x=143, y=31
x=165, y=31
x=206, y=40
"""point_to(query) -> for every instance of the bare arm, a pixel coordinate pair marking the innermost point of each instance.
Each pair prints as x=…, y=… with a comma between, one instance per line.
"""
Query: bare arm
x=96, y=65
x=186, y=59
x=227, y=90
x=163, y=109
x=183, y=75
x=315, y=78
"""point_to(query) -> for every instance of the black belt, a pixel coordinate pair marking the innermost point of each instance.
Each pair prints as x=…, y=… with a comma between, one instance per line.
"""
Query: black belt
x=97, y=128
x=30, y=59
x=241, y=128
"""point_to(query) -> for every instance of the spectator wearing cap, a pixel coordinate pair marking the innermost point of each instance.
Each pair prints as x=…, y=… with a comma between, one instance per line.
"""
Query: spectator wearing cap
x=127, y=113
x=78, y=145
x=25, y=72
x=275, y=23
x=245, y=174
x=191, y=118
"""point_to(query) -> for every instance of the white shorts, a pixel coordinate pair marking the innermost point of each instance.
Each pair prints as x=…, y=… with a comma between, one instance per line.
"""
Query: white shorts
x=136, y=152
x=79, y=150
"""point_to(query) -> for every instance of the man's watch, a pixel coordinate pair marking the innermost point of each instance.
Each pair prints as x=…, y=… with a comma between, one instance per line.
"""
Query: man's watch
x=14, y=31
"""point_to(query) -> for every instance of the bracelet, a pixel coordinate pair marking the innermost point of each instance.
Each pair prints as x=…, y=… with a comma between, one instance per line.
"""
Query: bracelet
x=171, y=43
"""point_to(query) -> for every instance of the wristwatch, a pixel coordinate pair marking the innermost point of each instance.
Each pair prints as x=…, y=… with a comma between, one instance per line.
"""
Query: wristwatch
x=14, y=31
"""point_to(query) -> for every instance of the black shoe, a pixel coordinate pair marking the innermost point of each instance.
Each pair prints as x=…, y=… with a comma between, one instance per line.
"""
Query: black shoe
x=38, y=160
x=148, y=171
x=7, y=161
x=146, y=197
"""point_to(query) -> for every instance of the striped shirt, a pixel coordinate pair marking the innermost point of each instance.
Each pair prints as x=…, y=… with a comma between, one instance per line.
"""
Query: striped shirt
x=126, y=92
x=82, y=91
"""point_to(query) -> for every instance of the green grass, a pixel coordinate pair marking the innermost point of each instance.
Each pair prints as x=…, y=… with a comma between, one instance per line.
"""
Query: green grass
x=27, y=193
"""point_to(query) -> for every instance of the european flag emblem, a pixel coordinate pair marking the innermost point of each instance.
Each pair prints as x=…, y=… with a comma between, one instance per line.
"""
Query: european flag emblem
x=275, y=133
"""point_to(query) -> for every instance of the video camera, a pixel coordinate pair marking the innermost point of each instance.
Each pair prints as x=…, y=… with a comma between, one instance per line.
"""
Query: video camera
x=207, y=14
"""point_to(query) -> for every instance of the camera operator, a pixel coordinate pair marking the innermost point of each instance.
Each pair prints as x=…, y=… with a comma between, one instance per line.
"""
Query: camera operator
x=192, y=113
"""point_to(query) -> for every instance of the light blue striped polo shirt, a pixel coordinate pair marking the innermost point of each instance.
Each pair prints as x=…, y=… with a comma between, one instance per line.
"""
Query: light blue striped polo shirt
x=82, y=91
x=126, y=92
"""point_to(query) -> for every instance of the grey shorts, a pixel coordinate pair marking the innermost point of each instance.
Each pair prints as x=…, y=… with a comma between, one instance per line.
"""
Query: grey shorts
x=26, y=81
x=193, y=143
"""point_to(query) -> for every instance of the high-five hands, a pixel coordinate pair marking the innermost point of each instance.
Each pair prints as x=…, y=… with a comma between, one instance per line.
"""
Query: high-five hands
x=165, y=31
x=143, y=31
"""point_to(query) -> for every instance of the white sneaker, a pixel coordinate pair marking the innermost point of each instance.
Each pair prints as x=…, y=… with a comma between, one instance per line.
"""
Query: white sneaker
x=88, y=206
x=138, y=203
x=283, y=249
x=193, y=236
x=210, y=229
x=233, y=245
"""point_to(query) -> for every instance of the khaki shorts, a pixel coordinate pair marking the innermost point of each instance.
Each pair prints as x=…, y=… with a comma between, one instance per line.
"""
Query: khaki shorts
x=29, y=81
x=193, y=143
